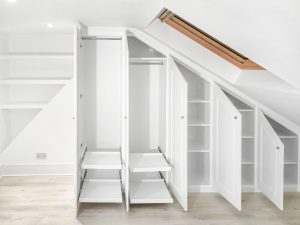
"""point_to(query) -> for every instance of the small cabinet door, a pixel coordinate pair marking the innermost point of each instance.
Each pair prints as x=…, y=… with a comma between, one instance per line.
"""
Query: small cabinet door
x=125, y=117
x=178, y=178
x=227, y=148
x=270, y=161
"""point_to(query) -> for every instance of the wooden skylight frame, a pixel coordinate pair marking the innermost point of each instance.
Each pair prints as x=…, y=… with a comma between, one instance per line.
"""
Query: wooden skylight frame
x=209, y=42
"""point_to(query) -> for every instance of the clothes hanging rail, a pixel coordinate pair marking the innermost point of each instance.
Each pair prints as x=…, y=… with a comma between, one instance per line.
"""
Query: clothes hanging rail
x=146, y=61
x=93, y=38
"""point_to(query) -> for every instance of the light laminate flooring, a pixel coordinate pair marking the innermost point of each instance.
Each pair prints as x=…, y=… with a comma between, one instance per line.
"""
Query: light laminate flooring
x=49, y=200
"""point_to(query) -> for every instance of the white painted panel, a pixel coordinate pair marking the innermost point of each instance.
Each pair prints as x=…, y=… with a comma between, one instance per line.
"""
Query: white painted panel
x=125, y=118
x=139, y=85
x=179, y=134
x=227, y=148
x=109, y=74
x=270, y=162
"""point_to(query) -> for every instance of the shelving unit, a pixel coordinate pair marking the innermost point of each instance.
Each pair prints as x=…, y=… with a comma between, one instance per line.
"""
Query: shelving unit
x=148, y=164
x=33, y=69
x=248, y=143
x=101, y=180
x=199, y=129
x=290, y=142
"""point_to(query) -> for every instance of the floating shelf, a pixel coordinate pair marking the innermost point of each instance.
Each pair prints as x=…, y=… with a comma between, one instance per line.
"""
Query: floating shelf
x=101, y=160
x=23, y=105
x=37, y=55
x=97, y=191
x=147, y=192
x=148, y=162
x=34, y=80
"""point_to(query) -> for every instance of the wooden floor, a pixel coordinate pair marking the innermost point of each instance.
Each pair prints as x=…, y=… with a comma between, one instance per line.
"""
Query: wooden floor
x=49, y=201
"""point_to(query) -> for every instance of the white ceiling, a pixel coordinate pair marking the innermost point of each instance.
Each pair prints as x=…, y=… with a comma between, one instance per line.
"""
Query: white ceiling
x=33, y=15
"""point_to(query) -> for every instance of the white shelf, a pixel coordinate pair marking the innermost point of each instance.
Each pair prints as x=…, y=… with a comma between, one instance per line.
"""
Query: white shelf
x=198, y=101
x=97, y=191
x=33, y=80
x=101, y=160
x=197, y=123
x=149, y=192
x=103, y=175
x=198, y=150
x=247, y=163
x=153, y=176
x=290, y=163
x=23, y=105
x=37, y=55
x=247, y=137
x=246, y=110
x=148, y=162
x=288, y=137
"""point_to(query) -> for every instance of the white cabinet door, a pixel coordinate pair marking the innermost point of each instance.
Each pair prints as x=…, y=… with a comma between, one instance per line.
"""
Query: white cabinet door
x=178, y=178
x=270, y=161
x=125, y=117
x=227, y=150
x=78, y=102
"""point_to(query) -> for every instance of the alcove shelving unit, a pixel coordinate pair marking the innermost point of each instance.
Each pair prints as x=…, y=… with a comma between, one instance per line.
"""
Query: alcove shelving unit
x=198, y=131
x=33, y=69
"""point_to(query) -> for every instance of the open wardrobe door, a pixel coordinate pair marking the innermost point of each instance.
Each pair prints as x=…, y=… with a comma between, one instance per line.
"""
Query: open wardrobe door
x=178, y=179
x=270, y=161
x=227, y=132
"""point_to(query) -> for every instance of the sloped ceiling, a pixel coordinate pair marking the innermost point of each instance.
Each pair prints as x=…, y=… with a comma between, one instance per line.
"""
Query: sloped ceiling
x=268, y=31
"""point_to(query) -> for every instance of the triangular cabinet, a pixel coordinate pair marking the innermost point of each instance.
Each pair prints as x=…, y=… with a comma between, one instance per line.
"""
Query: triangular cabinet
x=152, y=129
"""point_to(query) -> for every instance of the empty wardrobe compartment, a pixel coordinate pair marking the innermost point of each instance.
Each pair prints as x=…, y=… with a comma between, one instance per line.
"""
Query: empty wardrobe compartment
x=148, y=151
x=99, y=120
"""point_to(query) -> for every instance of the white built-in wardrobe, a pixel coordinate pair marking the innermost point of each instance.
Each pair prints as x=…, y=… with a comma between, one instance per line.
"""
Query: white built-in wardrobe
x=150, y=129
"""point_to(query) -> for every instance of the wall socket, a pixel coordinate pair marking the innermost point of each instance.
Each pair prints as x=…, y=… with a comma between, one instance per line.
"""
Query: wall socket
x=41, y=156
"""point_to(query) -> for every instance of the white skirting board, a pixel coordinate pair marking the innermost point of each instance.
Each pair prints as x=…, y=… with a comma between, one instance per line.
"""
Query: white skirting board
x=32, y=170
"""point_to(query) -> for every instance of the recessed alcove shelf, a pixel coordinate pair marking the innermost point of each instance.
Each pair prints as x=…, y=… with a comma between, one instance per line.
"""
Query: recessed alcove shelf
x=37, y=55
